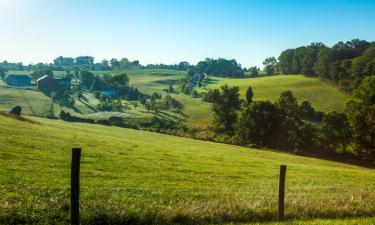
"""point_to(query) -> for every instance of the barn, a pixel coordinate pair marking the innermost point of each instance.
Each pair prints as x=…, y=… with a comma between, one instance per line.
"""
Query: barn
x=18, y=80
x=46, y=83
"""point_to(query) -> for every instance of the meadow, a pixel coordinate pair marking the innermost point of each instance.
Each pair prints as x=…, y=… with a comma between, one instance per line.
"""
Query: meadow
x=138, y=177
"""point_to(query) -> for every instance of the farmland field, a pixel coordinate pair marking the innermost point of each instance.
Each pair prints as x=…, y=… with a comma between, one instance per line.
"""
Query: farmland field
x=323, y=96
x=138, y=177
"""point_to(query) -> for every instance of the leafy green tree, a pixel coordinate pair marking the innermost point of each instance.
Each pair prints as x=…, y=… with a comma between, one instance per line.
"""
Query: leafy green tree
x=270, y=65
x=259, y=124
x=249, y=95
x=361, y=114
x=225, y=107
x=87, y=79
x=220, y=67
x=306, y=111
x=336, y=133
x=254, y=71
x=288, y=103
x=211, y=96
x=84, y=60
x=2, y=73
x=286, y=60
x=114, y=63
x=121, y=79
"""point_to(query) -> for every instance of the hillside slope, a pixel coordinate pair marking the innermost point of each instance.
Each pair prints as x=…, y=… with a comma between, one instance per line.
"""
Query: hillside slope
x=322, y=95
x=130, y=175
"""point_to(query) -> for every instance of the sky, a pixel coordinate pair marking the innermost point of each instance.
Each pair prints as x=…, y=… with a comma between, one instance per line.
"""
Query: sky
x=170, y=31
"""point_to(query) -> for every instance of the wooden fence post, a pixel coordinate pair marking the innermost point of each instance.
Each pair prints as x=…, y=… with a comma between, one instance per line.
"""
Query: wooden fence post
x=282, y=192
x=74, y=190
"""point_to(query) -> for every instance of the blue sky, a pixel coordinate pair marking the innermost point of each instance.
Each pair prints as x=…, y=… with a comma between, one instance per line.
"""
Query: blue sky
x=167, y=31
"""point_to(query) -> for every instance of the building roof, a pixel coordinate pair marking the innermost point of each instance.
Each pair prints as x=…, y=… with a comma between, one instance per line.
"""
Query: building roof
x=17, y=76
x=42, y=78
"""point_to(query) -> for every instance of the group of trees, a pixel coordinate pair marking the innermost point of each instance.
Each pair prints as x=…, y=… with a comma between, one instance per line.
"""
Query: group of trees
x=344, y=63
x=220, y=67
x=119, y=83
x=184, y=66
x=158, y=102
x=292, y=126
x=253, y=71
x=70, y=61
x=216, y=67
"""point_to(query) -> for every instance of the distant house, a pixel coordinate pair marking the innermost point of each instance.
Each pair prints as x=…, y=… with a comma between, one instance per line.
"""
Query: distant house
x=18, y=80
x=47, y=83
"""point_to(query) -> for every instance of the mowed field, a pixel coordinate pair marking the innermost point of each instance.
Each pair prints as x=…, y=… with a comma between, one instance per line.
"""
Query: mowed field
x=137, y=177
x=323, y=96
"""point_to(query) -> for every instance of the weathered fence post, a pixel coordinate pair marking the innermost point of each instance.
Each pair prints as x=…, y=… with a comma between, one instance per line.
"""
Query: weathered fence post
x=282, y=192
x=74, y=190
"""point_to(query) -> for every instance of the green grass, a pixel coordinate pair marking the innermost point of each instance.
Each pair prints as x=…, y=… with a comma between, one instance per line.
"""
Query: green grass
x=137, y=177
x=33, y=102
x=322, y=95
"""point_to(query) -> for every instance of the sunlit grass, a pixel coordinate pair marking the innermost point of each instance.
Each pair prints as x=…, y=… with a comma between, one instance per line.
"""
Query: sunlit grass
x=129, y=175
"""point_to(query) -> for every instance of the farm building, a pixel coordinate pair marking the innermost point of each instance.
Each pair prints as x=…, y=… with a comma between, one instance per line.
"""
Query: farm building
x=18, y=80
x=47, y=83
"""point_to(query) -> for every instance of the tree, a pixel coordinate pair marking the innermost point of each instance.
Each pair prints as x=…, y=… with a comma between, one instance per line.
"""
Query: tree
x=2, y=73
x=306, y=111
x=87, y=79
x=249, y=95
x=286, y=61
x=288, y=103
x=270, y=64
x=259, y=124
x=361, y=115
x=254, y=71
x=84, y=60
x=121, y=79
x=225, y=107
x=336, y=132
x=63, y=61
x=220, y=67
x=114, y=63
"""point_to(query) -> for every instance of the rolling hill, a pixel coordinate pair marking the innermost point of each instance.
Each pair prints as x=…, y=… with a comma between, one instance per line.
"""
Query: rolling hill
x=323, y=96
x=137, y=177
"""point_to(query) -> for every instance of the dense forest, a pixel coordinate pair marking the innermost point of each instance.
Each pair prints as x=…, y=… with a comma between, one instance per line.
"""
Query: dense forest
x=344, y=63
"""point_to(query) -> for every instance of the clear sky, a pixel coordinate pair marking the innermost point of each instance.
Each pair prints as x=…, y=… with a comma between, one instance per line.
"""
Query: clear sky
x=169, y=31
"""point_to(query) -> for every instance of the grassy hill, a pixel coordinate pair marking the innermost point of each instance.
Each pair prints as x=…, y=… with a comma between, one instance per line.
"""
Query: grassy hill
x=138, y=177
x=322, y=95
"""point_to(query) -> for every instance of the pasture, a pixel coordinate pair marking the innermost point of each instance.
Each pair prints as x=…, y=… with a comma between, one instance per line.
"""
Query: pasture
x=139, y=177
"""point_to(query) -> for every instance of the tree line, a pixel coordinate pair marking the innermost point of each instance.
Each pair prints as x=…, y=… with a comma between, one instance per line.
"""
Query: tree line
x=344, y=63
x=291, y=126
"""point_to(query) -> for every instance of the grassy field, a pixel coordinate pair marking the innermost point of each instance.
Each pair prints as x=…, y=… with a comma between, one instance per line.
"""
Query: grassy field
x=197, y=114
x=323, y=96
x=33, y=102
x=137, y=177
